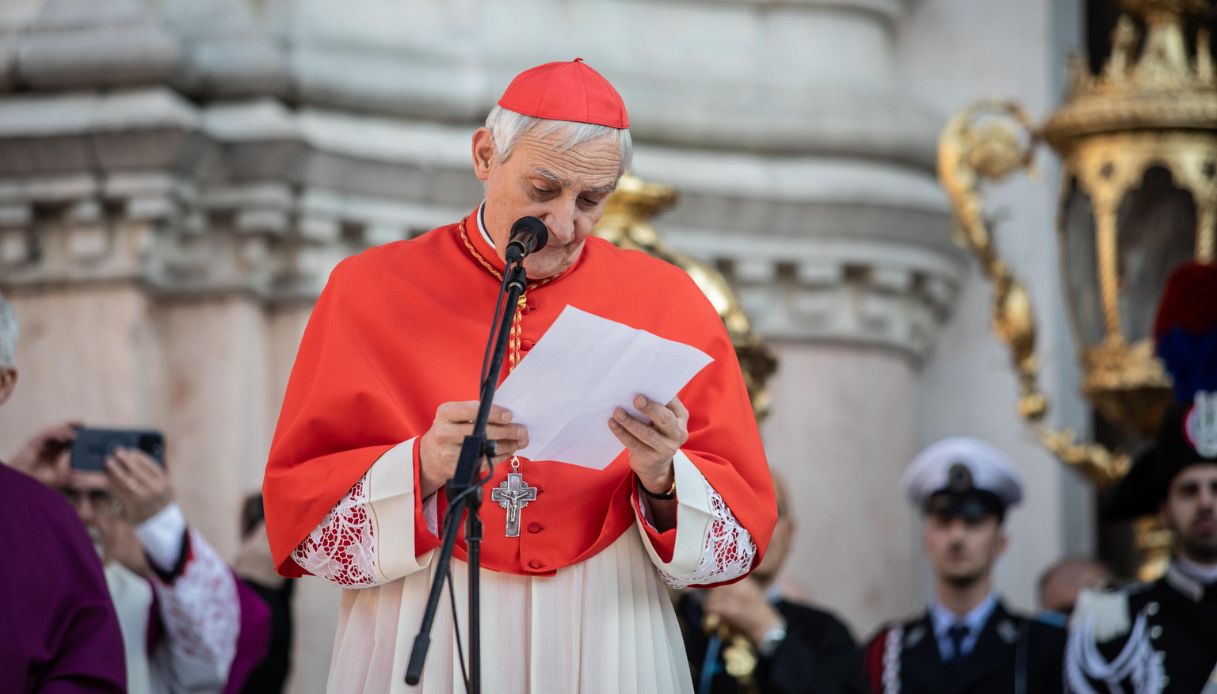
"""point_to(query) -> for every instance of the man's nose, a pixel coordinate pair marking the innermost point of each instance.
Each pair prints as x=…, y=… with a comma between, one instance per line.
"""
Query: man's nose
x=1208, y=498
x=560, y=219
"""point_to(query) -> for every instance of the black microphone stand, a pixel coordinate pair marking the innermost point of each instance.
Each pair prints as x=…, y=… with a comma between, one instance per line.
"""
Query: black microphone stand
x=464, y=492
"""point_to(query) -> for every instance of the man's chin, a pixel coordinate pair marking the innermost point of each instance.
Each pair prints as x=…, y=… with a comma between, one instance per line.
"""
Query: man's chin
x=547, y=268
x=551, y=261
x=1201, y=549
x=961, y=579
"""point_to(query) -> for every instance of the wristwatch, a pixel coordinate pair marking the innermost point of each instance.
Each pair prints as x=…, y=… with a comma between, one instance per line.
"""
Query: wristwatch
x=666, y=496
x=771, y=640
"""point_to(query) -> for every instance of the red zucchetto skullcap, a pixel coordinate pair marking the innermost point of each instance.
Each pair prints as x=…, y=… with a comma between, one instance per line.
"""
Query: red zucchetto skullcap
x=566, y=91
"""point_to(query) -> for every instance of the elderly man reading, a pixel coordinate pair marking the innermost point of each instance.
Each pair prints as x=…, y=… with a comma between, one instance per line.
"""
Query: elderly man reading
x=383, y=391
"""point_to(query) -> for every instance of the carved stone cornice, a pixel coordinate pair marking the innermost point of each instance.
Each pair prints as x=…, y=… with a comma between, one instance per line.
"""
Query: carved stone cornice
x=89, y=44
x=868, y=291
x=888, y=10
x=791, y=98
x=245, y=196
x=225, y=53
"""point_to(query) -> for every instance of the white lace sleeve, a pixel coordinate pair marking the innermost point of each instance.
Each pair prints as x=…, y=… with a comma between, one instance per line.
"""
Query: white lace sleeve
x=711, y=544
x=728, y=551
x=202, y=617
x=349, y=546
x=340, y=548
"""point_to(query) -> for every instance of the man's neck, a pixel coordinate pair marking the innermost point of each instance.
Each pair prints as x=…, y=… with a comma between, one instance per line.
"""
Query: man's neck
x=961, y=600
x=1204, y=572
x=481, y=219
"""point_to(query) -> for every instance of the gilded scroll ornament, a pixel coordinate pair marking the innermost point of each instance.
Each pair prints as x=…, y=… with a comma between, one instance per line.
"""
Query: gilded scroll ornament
x=988, y=142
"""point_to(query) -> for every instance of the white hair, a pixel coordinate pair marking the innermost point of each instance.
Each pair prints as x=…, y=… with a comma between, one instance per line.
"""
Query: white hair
x=506, y=127
x=8, y=335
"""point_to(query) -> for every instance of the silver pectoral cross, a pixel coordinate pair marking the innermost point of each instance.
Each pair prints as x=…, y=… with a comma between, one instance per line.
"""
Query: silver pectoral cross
x=513, y=495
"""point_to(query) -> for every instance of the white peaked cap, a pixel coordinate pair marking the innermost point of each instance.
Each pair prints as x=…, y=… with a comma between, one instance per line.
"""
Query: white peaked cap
x=991, y=470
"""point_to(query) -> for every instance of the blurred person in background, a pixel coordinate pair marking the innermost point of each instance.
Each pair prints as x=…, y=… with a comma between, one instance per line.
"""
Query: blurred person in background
x=757, y=641
x=967, y=642
x=58, y=628
x=1061, y=583
x=256, y=568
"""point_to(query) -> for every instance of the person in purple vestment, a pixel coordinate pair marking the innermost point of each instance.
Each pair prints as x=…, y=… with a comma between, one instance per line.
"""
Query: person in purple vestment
x=58, y=629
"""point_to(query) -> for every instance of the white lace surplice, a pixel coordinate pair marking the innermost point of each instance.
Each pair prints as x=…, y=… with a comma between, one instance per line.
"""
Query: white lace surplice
x=603, y=625
x=199, y=611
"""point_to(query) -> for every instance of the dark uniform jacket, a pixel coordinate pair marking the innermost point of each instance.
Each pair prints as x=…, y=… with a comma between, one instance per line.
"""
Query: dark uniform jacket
x=1151, y=637
x=818, y=655
x=1013, y=655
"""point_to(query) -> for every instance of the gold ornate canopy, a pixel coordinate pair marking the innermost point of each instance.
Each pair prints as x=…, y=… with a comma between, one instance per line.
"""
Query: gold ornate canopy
x=1138, y=143
x=625, y=224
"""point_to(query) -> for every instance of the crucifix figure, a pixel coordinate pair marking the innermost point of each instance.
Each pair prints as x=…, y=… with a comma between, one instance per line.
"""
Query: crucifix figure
x=513, y=495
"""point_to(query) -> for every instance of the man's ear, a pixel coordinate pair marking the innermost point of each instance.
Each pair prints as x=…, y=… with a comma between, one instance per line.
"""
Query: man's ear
x=483, y=153
x=8, y=383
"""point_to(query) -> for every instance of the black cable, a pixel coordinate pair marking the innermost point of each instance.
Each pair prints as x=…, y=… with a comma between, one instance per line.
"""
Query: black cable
x=456, y=625
x=456, y=622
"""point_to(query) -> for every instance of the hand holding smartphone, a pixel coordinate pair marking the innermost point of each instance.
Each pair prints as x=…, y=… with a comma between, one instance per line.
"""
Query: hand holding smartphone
x=92, y=446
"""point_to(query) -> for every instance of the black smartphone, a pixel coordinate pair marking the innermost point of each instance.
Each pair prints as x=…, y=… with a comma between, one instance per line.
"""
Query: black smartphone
x=91, y=446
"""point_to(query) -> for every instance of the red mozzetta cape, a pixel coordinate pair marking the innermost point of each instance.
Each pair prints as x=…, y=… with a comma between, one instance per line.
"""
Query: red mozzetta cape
x=401, y=329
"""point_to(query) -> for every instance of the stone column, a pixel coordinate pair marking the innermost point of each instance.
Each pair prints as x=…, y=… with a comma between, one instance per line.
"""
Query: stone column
x=842, y=428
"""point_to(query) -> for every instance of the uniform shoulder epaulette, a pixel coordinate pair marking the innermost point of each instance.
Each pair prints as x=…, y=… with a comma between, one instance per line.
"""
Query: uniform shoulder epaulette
x=1111, y=641
x=1103, y=614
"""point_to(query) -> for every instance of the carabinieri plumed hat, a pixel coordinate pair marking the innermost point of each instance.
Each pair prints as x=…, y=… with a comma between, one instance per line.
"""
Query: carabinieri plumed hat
x=1185, y=336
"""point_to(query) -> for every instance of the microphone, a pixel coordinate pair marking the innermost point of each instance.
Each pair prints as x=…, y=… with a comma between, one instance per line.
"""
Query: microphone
x=528, y=235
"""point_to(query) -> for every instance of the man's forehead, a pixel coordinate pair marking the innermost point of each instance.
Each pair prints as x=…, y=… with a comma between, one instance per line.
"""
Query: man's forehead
x=593, y=184
x=598, y=157
x=1201, y=472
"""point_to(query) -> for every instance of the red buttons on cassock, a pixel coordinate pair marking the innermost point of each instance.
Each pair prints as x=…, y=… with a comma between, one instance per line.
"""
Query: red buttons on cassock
x=526, y=344
x=535, y=527
x=534, y=564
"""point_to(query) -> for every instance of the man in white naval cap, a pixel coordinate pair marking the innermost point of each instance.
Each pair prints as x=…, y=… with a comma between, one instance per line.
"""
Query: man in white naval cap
x=967, y=641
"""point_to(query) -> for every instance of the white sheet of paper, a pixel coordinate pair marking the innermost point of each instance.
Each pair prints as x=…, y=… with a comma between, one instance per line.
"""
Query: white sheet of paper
x=564, y=390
